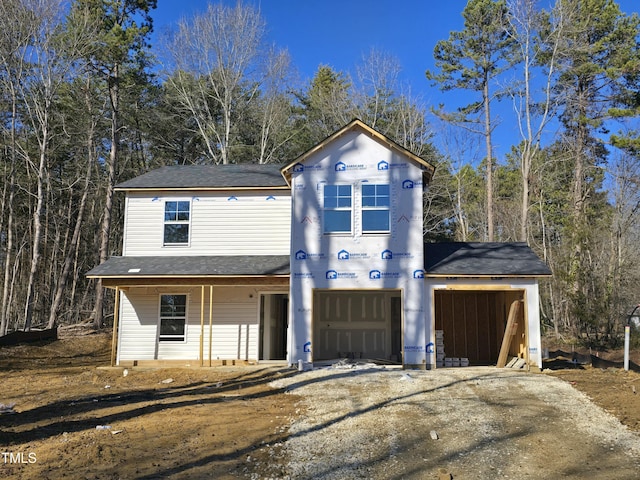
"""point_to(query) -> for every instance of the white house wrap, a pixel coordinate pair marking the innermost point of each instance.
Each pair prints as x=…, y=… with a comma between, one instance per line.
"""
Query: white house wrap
x=385, y=262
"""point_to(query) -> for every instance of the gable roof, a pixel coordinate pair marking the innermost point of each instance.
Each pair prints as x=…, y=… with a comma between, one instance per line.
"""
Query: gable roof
x=191, y=266
x=199, y=177
x=482, y=259
x=359, y=125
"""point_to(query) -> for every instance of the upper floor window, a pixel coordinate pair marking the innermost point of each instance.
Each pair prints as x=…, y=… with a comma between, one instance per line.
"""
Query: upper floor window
x=375, y=208
x=176, y=222
x=337, y=208
x=173, y=318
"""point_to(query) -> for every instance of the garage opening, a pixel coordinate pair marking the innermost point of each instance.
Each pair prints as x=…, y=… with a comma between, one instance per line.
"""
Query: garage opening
x=357, y=324
x=473, y=324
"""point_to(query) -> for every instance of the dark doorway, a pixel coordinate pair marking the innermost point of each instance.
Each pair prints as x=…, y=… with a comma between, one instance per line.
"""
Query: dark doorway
x=273, y=326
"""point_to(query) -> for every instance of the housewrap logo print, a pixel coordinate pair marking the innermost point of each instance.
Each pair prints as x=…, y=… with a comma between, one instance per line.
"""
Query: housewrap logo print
x=334, y=275
x=346, y=255
x=377, y=275
x=302, y=255
x=384, y=165
x=299, y=167
x=343, y=167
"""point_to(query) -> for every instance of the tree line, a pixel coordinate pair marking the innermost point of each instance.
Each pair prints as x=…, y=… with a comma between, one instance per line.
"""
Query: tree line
x=88, y=102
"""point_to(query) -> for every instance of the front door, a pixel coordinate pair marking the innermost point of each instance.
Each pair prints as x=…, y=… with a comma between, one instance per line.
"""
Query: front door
x=273, y=326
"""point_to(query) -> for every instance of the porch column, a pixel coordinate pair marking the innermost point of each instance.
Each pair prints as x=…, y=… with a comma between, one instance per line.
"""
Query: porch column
x=202, y=325
x=116, y=316
x=210, y=321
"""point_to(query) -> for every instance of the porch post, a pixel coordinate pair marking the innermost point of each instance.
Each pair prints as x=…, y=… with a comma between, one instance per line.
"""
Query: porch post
x=114, y=337
x=201, y=325
x=210, y=321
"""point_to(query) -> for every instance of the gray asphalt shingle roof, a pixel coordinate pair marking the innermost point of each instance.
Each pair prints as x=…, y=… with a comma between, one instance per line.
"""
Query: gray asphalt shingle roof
x=207, y=176
x=483, y=258
x=441, y=259
x=192, y=266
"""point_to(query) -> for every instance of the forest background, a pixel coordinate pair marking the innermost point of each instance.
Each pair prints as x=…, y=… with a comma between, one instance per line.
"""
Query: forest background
x=87, y=102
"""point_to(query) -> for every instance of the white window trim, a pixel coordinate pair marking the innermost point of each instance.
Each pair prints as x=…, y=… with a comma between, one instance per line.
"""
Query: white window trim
x=369, y=208
x=165, y=222
x=186, y=318
x=341, y=209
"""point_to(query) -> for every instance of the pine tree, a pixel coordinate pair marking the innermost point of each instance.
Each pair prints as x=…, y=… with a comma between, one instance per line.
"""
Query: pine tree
x=470, y=59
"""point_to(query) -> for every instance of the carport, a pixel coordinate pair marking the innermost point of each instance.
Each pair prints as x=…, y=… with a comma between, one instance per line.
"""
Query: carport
x=474, y=290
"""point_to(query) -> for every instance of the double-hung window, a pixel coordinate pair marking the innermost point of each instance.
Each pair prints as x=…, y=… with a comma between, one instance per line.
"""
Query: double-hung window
x=176, y=222
x=337, y=208
x=173, y=318
x=375, y=208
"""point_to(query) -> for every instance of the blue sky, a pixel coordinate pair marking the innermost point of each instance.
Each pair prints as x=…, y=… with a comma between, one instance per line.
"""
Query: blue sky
x=339, y=32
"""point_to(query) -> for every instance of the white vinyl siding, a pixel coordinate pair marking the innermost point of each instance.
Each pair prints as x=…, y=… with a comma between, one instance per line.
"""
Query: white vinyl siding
x=231, y=223
x=235, y=326
x=138, y=326
x=235, y=332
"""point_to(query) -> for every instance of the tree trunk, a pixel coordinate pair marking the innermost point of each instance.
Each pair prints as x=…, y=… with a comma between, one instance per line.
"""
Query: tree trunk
x=114, y=96
x=68, y=260
x=487, y=137
x=9, y=249
x=37, y=228
x=525, y=168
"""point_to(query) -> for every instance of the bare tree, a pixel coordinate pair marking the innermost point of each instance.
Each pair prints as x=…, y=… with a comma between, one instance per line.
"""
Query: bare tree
x=122, y=30
x=471, y=59
x=624, y=251
x=377, y=77
x=16, y=28
x=217, y=57
x=532, y=112
x=274, y=106
x=462, y=189
x=51, y=58
x=71, y=250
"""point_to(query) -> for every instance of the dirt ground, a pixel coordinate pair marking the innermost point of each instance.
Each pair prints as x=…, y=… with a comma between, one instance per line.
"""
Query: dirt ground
x=267, y=422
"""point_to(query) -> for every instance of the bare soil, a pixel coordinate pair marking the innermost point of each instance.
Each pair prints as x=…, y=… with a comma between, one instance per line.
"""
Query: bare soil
x=274, y=422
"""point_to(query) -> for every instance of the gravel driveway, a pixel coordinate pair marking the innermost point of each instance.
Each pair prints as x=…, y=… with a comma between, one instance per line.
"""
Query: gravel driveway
x=465, y=423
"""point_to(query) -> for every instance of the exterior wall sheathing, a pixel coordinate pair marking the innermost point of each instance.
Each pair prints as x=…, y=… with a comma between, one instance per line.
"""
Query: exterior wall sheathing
x=357, y=260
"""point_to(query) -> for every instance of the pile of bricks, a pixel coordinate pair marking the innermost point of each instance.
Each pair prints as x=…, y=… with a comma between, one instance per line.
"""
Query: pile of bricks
x=440, y=349
x=441, y=359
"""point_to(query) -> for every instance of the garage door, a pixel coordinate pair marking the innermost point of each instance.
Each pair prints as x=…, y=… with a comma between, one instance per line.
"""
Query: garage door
x=473, y=323
x=357, y=324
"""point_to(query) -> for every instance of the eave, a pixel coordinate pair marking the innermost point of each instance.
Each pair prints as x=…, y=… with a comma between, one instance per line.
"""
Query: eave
x=453, y=276
x=192, y=280
x=285, y=188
